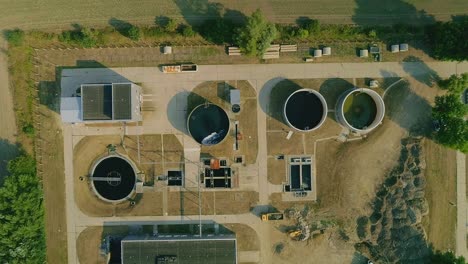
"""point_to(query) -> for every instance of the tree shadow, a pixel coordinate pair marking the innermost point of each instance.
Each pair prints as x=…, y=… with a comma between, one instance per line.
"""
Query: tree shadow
x=394, y=21
x=120, y=26
x=211, y=20
x=409, y=110
x=8, y=151
x=389, y=12
x=419, y=70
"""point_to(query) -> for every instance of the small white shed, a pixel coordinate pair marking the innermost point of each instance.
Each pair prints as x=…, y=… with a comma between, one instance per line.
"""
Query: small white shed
x=317, y=53
x=363, y=53
x=167, y=50
x=395, y=48
x=326, y=51
x=403, y=47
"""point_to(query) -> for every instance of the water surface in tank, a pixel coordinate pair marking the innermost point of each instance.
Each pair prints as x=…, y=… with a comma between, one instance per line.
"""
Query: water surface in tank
x=359, y=110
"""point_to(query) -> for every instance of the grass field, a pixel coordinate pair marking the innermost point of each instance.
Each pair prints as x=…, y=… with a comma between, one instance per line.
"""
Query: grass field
x=441, y=177
x=56, y=14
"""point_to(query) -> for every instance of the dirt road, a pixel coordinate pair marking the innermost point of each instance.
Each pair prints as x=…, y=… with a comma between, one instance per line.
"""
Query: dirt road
x=8, y=150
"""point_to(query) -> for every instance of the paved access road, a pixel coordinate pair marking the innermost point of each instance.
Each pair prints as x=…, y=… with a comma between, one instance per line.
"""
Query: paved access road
x=261, y=76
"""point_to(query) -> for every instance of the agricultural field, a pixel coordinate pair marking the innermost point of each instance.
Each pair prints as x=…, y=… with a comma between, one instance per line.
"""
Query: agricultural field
x=58, y=14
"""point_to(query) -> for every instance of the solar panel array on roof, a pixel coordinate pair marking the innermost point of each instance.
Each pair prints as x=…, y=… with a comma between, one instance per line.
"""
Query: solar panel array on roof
x=194, y=251
x=97, y=102
x=107, y=101
x=121, y=100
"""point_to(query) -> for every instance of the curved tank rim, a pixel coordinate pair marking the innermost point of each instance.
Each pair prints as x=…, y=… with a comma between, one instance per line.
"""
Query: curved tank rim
x=190, y=115
x=96, y=163
x=368, y=91
x=324, y=106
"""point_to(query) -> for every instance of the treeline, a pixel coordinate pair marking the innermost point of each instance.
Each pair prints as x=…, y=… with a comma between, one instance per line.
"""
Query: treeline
x=449, y=39
x=22, y=238
x=450, y=111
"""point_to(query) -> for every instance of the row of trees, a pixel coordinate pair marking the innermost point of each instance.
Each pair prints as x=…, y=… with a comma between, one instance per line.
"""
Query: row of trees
x=450, y=112
x=22, y=238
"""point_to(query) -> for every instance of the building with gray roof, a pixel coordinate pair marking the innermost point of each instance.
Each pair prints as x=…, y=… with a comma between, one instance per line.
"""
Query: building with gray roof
x=109, y=102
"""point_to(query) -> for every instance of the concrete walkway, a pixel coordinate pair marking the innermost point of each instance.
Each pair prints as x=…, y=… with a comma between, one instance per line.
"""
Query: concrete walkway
x=263, y=77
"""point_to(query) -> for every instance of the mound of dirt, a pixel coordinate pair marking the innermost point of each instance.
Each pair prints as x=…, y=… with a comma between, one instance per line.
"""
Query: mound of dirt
x=393, y=232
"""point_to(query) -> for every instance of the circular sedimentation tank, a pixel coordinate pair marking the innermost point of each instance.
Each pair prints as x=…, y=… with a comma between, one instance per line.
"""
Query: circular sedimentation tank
x=360, y=110
x=208, y=124
x=305, y=110
x=113, y=178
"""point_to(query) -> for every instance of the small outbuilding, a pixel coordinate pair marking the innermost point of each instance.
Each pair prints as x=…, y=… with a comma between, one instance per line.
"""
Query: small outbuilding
x=363, y=53
x=374, y=50
x=403, y=47
x=167, y=50
x=326, y=51
x=317, y=53
x=395, y=48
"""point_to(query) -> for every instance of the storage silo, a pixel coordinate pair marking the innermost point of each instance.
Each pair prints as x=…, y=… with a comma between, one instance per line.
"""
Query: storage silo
x=305, y=110
x=361, y=110
x=208, y=124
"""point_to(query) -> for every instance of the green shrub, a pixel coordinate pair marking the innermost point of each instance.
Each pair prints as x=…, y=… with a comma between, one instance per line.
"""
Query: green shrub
x=256, y=36
x=448, y=39
x=302, y=33
x=22, y=236
x=372, y=34
x=29, y=130
x=14, y=37
x=311, y=25
x=171, y=25
x=85, y=37
x=187, y=31
x=88, y=37
x=134, y=33
x=66, y=37
x=455, y=83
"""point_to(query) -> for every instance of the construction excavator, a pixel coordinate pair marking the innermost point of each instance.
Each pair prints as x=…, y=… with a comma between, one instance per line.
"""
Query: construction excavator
x=295, y=235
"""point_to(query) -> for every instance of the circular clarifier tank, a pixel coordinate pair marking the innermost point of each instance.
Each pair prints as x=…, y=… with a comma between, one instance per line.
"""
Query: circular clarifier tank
x=113, y=178
x=208, y=124
x=360, y=110
x=305, y=110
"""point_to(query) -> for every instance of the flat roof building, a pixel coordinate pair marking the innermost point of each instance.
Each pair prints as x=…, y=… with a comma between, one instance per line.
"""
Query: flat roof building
x=219, y=249
x=102, y=103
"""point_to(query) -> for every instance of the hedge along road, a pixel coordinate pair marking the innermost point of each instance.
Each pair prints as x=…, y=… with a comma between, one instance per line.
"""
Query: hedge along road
x=59, y=14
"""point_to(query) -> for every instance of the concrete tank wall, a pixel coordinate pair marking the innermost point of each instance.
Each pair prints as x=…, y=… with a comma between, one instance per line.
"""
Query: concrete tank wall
x=379, y=114
x=208, y=124
x=306, y=108
x=92, y=172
